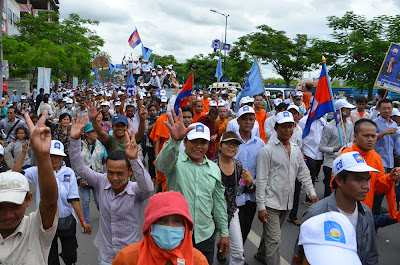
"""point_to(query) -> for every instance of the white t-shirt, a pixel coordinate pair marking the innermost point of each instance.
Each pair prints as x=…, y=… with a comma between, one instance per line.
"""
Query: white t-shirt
x=353, y=217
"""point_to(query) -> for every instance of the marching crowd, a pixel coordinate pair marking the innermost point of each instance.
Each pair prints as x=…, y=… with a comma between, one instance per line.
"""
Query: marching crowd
x=209, y=168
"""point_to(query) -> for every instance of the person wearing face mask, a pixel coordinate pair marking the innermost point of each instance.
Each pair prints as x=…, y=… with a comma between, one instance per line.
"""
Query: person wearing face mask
x=167, y=235
x=330, y=144
x=68, y=106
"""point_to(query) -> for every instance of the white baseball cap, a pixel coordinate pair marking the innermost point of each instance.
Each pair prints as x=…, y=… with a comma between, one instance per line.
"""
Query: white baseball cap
x=118, y=103
x=23, y=97
x=245, y=100
x=299, y=94
x=351, y=161
x=284, y=117
x=153, y=74
x=164, y=99
x=13, y=187
x=221, y=103
x=343, y=103
x=105, y=103
x=245, y=110
x=277, y=101
x=69, y=101
x=395, y=112
x=200, y=131
x=329, y=239
x=234, y=99
x=163, y=92
x=57, y=148
x=213, y=103
x=267, y=93
x=292, y=106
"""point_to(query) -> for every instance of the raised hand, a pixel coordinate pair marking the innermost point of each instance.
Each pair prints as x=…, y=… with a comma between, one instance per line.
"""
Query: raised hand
x=174, y=82
x=77, y=126
x=143, y=113
x=131, y=147
x=176, y=127
x=40, y=135
x=92, y=111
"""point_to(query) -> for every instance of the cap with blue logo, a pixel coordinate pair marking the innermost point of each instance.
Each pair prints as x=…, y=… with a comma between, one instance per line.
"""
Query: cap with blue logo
x=329, y=234
x=245, y=110
x=57, y=148
x=200, y=131
x=351, y=161
x=284, y=117
x=213, y=103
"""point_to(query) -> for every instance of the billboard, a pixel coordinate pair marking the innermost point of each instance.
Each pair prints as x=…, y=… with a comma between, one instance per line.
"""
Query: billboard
x=389, y=74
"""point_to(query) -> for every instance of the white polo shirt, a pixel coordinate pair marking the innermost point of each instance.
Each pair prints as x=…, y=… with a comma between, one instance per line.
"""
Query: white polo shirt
x=30, y=243
x=67, y=188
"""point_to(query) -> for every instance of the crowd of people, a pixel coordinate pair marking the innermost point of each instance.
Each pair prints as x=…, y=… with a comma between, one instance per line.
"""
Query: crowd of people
x=209, y=168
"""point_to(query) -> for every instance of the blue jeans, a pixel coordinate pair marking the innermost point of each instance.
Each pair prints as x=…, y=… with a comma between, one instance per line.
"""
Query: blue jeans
x=383, y=220
x=85, y=197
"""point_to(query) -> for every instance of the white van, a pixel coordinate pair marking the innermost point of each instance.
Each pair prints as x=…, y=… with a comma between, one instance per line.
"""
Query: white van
x=275, y=90
x=232, y=86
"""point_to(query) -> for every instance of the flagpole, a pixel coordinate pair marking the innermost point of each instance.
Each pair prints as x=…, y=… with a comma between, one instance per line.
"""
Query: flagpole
x=344, y=130
x=330, y=91
x=269, y=107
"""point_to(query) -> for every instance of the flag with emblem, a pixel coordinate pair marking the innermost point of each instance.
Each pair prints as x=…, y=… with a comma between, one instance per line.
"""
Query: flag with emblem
x=322, y=102
x=134, y=39
x=183, y=97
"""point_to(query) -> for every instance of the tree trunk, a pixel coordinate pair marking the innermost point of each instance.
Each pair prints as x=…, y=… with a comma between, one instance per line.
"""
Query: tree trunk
x=287, y=81
x=370, y=93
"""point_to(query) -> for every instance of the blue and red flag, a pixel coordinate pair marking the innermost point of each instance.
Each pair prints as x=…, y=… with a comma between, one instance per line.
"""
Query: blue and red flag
x=134, y=39
x=322, y=102
x=183, y=97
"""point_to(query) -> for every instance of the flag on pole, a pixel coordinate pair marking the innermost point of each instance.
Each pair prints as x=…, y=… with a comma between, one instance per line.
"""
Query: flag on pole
x=146, y=53
x=131, y=79
x=123, y=59
x=94, y=69
x=219, y=72
x=254, y=84
x=183, y=97
x=134, y=39
x=152, y=63
x=322, y=102
x=112, y=68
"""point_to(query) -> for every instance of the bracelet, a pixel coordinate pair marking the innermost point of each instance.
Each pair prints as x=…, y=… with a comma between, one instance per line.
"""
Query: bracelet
x=83, y=220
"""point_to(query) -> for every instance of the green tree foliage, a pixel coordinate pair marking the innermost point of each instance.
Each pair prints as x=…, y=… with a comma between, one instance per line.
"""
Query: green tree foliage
x=358, y=47
x=288, y=57
x=64, y=46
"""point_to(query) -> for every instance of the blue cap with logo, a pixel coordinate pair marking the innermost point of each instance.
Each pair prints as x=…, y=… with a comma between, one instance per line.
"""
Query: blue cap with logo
x=119, y=118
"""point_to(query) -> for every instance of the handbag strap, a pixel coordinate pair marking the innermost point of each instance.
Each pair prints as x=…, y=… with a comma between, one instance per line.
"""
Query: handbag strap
x=12, y=128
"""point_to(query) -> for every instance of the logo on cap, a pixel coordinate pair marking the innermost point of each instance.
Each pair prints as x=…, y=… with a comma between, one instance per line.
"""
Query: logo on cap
x=199, y=128
x=358, y=158
x=339, y=165
x=57, y=146
x=246, y=108
x=285, y=114
x=334, y=232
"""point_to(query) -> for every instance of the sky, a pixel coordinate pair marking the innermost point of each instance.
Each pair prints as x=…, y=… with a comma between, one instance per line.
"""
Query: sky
x=187, y=28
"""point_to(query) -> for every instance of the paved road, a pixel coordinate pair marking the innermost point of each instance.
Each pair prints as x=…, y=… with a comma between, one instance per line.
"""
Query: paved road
x=389, y=251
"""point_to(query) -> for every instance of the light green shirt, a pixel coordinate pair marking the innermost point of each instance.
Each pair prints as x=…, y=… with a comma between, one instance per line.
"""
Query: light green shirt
x=200, y=184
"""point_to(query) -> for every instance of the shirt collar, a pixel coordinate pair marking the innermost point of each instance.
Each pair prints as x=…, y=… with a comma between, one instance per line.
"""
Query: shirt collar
x=384, y=121
x=332, y=204
x=126, y=189
x=185, y=158
x=252, y=138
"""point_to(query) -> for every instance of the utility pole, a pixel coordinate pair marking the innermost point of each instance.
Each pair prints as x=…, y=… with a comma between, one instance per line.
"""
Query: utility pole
x=1, y=41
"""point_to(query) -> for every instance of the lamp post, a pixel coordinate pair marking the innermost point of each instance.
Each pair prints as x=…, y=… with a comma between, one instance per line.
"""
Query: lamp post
x=226, y=27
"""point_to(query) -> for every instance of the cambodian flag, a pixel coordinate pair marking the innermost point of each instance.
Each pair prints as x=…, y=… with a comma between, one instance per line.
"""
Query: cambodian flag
x=322, y=102
x=183, y=97
x=134, y=39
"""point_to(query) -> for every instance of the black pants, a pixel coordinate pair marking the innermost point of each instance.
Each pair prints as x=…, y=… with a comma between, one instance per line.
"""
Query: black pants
x=327, y=180
x=69, y=245
x=314, y=166
x=206, y=247
x=152, y=169
x=246, y=216
x=293, y=212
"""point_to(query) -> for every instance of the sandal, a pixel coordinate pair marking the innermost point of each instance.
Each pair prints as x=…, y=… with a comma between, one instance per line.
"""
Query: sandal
x=295, y=222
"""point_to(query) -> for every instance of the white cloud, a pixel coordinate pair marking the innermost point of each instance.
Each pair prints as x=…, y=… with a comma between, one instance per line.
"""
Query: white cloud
x=186, y=28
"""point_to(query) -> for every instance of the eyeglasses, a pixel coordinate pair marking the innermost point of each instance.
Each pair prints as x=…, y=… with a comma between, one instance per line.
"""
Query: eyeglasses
x=235, y=144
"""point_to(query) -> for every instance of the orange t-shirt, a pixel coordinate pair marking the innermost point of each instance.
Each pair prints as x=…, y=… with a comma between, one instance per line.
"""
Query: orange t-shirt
x=379, y=182
x=160, y=131
x=307, y=99
x=197, y=116
x=221, y=128
x=361, y=114
x=261, y=116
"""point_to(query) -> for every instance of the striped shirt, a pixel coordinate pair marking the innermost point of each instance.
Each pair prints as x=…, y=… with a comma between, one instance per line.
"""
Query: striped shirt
x=385, y=146
x=119, y=215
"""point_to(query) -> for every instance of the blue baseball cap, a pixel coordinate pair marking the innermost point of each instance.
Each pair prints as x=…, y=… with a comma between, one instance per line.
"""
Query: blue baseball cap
x=118, y=119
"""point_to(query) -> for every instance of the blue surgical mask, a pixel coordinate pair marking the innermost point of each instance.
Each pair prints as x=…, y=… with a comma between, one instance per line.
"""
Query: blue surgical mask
x=167, y=237
x=69, y=105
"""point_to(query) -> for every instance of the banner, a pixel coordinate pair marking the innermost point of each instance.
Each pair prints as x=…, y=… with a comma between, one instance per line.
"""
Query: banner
x=75, y=82
x=389, y=74
x=44, y=75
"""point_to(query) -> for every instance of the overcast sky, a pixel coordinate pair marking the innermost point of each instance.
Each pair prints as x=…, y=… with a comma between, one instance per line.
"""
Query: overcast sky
x=186, y=28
